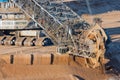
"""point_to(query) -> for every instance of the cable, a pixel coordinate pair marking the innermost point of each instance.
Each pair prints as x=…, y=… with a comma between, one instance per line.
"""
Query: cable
x=89, y=9
x=88, y=5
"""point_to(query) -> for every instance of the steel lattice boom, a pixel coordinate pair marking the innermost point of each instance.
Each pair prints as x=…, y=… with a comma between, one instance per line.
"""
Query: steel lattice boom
x=50, y=15
x=63, y=26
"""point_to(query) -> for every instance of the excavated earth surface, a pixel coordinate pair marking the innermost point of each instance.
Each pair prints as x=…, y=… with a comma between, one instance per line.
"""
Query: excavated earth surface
x=22, y=68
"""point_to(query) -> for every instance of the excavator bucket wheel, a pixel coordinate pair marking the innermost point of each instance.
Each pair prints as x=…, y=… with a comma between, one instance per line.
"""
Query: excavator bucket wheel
x=97, y=47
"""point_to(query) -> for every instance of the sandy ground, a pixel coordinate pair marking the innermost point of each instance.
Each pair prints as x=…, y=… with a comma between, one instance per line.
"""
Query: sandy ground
x=23, y=70
x=49, y=72
x=41, y=69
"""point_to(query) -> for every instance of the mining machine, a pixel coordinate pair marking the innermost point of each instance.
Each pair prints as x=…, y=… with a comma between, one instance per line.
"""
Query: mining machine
x=23, y=21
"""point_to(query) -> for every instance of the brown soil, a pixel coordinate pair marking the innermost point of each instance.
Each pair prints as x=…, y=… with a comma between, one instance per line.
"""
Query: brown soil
x=48, y=72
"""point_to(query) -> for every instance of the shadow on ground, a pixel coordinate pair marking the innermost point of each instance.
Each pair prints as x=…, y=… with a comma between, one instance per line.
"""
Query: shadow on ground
x=97, y=6
x=113, y=51
x=113, y=31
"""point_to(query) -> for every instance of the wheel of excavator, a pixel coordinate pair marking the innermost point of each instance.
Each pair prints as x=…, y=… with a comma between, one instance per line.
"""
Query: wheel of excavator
x=29, y=41
x=97, y=48
x=47, y=42
x=2, y=39
x=20, y=41
x=39, y=41
x=43, y=41
x=33, y=42
x=12, y=42
x=9, y=40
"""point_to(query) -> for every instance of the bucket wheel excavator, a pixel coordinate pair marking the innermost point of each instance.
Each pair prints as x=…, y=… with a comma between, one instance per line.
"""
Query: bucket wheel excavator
x=65, y=29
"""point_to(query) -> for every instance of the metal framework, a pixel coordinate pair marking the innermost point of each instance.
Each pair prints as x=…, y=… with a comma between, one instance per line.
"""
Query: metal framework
x=63, y=26
x=50, y=15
